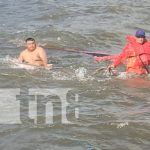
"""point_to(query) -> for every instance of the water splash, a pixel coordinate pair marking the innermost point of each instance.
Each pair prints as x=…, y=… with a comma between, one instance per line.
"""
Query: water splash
x=122, y=75
x=68, y=74
x=121, y=125
x=62, y=76
x=14, y=63
x=125, y=75
x=80, y=73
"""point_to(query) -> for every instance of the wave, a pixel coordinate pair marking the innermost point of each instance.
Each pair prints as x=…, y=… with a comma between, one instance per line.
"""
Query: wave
x=14, y=63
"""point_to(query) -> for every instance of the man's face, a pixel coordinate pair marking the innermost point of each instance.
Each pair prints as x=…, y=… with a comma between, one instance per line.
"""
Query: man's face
x=31, y=45
x=140, y=40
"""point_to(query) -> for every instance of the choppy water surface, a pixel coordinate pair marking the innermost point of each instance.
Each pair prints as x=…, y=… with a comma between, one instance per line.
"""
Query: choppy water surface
x=114, y=113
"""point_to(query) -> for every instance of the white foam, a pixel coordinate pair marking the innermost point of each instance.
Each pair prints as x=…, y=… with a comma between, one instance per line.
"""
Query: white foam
x=122, y=75
x=23, y=66
x=14, y=63
x=61, y=76
x=125, y=75
x=123, y=124
x=80, y=73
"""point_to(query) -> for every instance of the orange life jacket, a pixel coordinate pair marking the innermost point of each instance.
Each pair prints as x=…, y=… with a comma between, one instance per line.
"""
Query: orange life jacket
x=136, y=56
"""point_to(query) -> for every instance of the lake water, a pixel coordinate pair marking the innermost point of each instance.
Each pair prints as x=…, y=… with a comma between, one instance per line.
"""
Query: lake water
x=105, y=112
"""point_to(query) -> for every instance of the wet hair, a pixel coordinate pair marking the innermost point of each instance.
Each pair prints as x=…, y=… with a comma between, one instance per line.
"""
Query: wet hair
x=30, y=39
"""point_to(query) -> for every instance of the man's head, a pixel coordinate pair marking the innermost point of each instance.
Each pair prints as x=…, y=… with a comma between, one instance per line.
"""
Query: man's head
x=140, y=36
x=30, y=44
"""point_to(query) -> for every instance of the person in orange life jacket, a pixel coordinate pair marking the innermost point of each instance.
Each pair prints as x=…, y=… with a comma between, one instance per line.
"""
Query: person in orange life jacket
x=136, y=54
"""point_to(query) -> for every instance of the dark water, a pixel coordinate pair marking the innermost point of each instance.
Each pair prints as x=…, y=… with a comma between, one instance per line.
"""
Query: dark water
x=113, y=114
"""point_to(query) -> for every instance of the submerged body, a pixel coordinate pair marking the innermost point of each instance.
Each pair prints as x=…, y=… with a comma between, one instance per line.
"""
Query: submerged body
x=32, y=58
x=135, y=55
x=34, y=55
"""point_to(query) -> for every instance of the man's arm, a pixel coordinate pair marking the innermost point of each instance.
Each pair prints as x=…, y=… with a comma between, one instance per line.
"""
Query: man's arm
x=20, y=58
x=43, y=56
x=98, y=59
x=121, y=58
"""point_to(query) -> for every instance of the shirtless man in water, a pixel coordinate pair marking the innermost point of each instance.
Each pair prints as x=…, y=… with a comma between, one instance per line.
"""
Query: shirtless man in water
x=34, y=55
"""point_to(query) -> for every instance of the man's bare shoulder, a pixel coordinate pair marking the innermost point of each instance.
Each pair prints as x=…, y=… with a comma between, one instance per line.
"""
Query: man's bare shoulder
x=23, y=52
x=40, y=49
